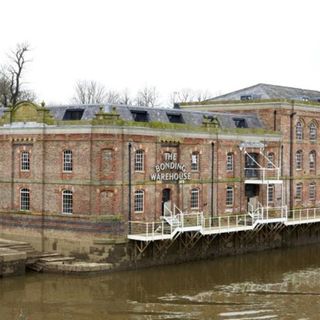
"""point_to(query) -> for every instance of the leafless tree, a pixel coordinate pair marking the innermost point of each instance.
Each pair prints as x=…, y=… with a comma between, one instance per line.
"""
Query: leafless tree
x=202, y=95
x=11, y=86
x=125, y=97
x=89, y=92
x=188, y=95
x=147, y=97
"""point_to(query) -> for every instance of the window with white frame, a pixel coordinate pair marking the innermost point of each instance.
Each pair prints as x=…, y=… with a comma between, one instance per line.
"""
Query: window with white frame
x=312, y=191
x=229, y=166
x=139, y=201
x=229, y=196
x=270, y=160
x=299, y=131
x=67, y=161
x=139, y=160
x=312, y=132
x=67, y=201
x=312, y=160
x=299, y=160
x=195, y=161
x=194, y=201
x=270, y=193
x=25, y=161
x=24, y=199
x=299, y=191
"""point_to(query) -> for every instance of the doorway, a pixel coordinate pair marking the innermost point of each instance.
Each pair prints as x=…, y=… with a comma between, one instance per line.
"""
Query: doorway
x=166, y=202
x=252, y=194
x=251, y=165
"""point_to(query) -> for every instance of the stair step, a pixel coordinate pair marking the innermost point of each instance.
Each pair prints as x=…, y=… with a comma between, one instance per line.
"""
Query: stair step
x=56, y=259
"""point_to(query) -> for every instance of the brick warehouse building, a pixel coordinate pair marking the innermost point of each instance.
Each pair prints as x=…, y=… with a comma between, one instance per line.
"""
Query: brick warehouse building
x=73, y=174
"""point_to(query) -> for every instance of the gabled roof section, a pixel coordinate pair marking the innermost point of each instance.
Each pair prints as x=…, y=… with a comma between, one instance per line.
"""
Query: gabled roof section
x=264, y=91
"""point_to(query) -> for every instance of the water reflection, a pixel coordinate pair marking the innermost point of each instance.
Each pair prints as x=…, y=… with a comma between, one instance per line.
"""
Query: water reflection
x=279, y=284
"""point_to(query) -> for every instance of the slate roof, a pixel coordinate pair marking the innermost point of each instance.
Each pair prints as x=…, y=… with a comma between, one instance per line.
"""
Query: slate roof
x=269, y=91
x=190, y=117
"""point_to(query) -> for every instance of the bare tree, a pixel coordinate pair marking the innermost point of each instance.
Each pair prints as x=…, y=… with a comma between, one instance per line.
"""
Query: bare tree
x=11, y=86
x=188, y=95
x=147, y=97
x=92, y=92
x=125, y=97
x=89, y=92
x=202, y=95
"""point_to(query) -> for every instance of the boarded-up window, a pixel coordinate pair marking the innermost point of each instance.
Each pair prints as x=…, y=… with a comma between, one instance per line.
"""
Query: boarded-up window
x=107, y=161
x=106, y=202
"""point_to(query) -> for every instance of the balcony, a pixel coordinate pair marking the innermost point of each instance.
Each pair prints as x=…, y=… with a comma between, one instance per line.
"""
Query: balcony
x=262, y=175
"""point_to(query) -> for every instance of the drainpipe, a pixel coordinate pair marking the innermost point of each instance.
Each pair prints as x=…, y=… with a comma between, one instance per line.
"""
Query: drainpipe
x=212, y=177
x=291, y=154
x=129, y=186
x=275, y=120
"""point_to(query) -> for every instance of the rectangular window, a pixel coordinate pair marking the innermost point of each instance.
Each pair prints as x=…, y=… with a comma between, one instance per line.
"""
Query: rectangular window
x=140, y=116
x=195, y=162
x=25, y=161
x=24, y=199
x=175, y=117
x=299, y=191
x=270, y=193
x=67, y=201
x=229, y=196
x=194, y=203
x=312, y=191
x=240, y=122
x=229, y=162
x=67, y=161
x=73, y=114
x=139, y=201
x=139, y=160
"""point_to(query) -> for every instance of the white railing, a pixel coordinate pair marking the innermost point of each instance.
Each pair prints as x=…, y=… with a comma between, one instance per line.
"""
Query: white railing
x=303, y=214
x=262, y=173
x=271, y=213
x=149, y=231
x=228, y=222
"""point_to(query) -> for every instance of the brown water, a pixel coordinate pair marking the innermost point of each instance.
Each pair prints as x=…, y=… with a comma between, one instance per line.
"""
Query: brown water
x=278, y=284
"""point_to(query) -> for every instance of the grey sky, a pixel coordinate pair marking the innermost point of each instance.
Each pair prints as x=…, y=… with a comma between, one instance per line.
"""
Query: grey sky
x=216, y=45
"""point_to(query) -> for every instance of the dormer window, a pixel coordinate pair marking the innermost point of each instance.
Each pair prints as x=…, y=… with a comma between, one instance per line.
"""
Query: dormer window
x=175, y=117
x=240, y=122
x=73, y=114
x=140, y=115
x=246, y=97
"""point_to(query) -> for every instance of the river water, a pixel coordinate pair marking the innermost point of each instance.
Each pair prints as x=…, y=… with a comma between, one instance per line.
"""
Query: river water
x=277, y=284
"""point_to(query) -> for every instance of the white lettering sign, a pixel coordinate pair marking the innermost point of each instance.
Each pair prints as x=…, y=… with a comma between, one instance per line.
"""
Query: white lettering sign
x=170, y=170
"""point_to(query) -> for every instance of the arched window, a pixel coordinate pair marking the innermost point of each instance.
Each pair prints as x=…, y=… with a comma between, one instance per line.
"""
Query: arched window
x=312, y=160
x=67, y=201
x=195, y=161
x=299, y=160
x=139, y=201
x=299, y=191
x=312, y=132
x=312, y=191
x=25, y=161
x=229, y=196
x=139, y=160
x=67, y=161
x=24, y=199
x=270, y=160
x=299, y=131
x=229, y=163
x=194, y=200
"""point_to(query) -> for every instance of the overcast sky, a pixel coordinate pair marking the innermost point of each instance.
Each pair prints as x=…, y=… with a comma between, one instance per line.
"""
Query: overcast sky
x=171, y=44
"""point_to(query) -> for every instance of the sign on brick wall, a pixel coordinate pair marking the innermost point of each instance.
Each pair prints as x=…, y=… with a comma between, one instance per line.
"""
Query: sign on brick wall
x=170, y=169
